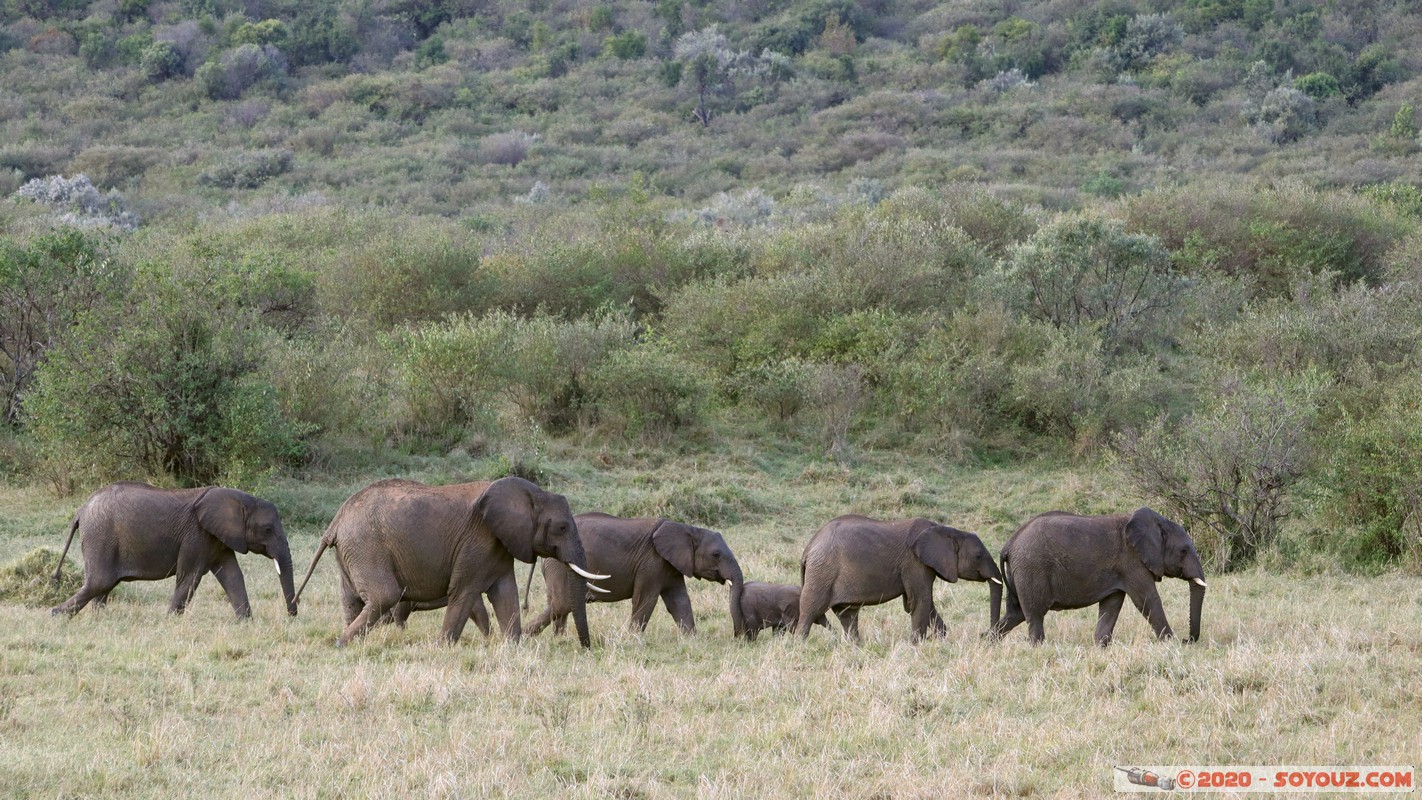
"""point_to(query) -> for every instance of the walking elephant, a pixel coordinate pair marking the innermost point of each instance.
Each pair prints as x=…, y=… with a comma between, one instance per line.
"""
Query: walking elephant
x=856, y=561
x=136, y=532
x=399, y=541
x=1059, y=561
x=649, y=559
x=773, y=606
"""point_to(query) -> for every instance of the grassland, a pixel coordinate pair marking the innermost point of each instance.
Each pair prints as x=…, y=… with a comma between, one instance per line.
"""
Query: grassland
x=131, y=702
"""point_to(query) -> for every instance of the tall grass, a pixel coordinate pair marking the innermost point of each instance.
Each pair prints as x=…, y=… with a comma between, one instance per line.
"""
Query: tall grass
x=132, y=702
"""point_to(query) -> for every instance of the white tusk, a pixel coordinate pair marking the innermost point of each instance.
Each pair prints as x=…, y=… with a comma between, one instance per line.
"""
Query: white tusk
x=594, y=587
x=590, y=576
x=1200, y=582
x=278, y=566
x=996, y=581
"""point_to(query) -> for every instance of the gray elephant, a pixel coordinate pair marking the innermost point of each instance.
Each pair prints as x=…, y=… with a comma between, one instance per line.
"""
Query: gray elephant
x=1059, y=561
x=649, y=559
x=136, y=532
x=773, y=606
x=401, y=541
x=856, y=561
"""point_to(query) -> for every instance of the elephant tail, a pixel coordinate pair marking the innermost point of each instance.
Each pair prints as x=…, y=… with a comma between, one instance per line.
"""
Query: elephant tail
x=58, y=568
x=326, y=541
x=528, y=586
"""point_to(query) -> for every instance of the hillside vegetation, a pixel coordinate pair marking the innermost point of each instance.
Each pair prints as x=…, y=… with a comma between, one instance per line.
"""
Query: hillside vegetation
x=1178, y=240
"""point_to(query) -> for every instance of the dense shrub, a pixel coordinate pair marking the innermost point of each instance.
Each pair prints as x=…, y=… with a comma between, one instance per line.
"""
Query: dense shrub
x=79, y=203
x=47, y=284
x=1269, y=238
x=1086, y=271
x=239, y=69
x=1371, y=473
x=468, y=370
x=247, y=170
x=1229, y=472
x=650, y=391
x=178, y=394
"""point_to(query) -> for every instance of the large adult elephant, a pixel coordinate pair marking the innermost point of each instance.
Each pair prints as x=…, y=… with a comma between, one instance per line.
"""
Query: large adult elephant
x=855, y=561
x=1060, y=561
x=649, y=558
x=135, y=532
x=402, y=541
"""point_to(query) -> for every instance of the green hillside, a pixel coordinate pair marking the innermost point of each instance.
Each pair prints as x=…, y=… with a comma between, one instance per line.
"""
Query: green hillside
x=1177, y=241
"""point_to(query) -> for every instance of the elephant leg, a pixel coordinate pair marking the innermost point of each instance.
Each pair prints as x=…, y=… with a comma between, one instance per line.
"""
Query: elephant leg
x=95, y=588
x=643, y=604
x=814, y=602
x=1147, y=601
x=480, y=616
x=678, y=604
x=351, y=604
x=101, y=600
x=229, y=575
x=379, y=597
x=187, y=586
x=555, y=579
x=1011, y=619
x=1106, y=614
x=503, y=596
x=849, y=620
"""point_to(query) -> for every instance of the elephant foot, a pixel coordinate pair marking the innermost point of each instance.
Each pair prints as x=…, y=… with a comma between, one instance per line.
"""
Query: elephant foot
x=60, y=611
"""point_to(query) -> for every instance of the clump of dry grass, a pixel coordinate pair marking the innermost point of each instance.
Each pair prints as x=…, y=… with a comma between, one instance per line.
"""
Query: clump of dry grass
x=29, y=579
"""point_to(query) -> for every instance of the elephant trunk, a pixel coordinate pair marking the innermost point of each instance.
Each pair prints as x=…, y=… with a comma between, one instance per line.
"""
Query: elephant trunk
x=995, y=592
x=288, y=579
x=1197, y=602
x=578, y=594
x=738, y=589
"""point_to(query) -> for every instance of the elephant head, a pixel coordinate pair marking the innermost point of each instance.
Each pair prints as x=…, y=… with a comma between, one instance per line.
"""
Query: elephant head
x=248, y=524
x=954, y=554
x=1167, y=551
x=530, y=522
x=701, y=553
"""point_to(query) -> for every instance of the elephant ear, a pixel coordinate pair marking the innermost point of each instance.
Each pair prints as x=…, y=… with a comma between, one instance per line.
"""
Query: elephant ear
x=222, y=514
x=506, y=508
x=1146, y=538
x=937, y=548
x=677, y=544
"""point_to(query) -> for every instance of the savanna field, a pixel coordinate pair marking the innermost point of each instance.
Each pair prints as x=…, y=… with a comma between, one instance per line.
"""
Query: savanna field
x=746, y=265
x=132, y=702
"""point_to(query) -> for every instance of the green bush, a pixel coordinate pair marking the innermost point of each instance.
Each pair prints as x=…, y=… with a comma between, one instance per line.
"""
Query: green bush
x=1269, y=238
x=1230, y=472
x=650, y=391
x=469, y=369
x=1371, y=473
x=163, y=383
x=1085, y=271
x=47, y=284
x=247, y=170
x=161, y=61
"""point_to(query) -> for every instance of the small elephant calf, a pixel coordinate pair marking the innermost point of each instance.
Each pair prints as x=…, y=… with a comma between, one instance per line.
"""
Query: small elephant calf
x=772, y=605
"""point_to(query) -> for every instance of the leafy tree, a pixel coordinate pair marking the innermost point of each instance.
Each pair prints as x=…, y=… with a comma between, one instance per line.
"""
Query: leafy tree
x=1229, y=470
x=714, y=67
x=167, y=381
x=46, y=286
x=627, y=45
x=1318, y=85
x=161, y=61
x=1084, y=270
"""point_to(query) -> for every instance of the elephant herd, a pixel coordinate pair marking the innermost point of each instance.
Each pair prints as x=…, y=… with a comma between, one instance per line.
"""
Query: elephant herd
x=402, y=546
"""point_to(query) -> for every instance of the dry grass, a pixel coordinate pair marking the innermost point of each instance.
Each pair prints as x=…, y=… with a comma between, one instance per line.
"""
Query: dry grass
x=131, y=702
